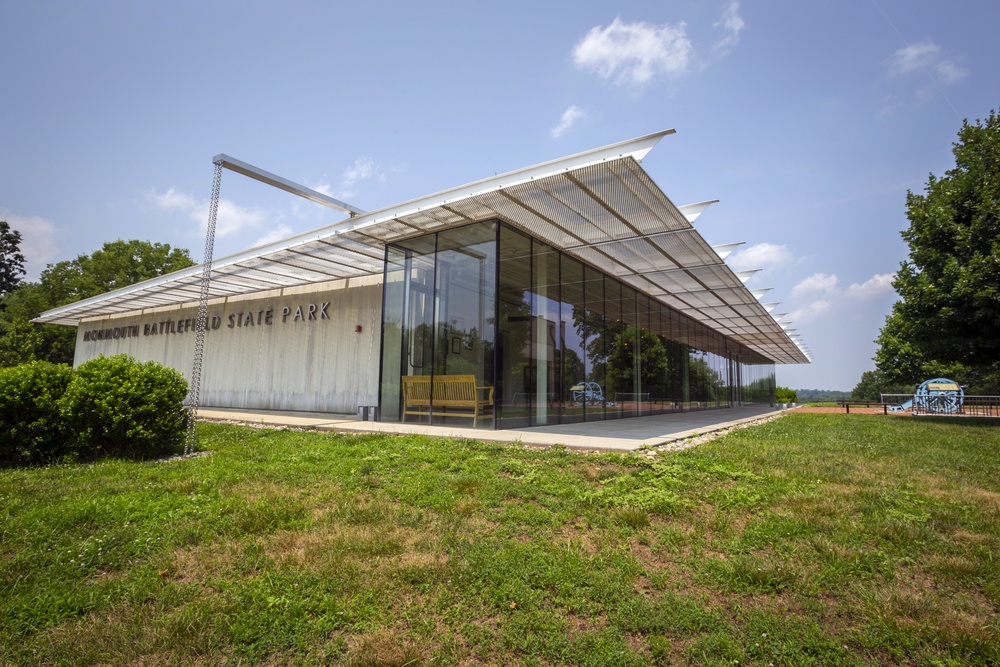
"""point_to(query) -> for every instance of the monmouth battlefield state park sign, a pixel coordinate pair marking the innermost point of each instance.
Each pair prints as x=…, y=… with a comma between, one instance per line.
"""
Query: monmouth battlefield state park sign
x=309, y=312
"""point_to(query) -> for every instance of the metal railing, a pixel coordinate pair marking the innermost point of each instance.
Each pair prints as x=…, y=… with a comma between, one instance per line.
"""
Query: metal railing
x=980, y=406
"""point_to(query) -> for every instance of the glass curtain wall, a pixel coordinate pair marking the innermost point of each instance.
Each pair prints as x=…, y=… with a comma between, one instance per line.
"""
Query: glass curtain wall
x=591, y=394
x=558, y=341
x=439, y=307
x=517, y=387
x=572, y=336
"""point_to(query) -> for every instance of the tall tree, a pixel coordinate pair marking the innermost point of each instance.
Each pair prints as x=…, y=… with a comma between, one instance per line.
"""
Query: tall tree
x=117, y=264
x=11, y=259
x=949, y=288
x=873, y=384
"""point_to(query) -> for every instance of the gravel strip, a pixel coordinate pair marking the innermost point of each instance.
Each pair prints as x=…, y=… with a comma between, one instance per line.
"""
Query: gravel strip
x=695, y=440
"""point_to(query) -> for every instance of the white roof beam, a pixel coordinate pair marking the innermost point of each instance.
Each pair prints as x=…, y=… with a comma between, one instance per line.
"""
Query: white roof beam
x=276, y=181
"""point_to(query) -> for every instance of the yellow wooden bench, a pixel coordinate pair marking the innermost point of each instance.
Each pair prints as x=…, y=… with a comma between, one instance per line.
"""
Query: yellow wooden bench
x=453, y=396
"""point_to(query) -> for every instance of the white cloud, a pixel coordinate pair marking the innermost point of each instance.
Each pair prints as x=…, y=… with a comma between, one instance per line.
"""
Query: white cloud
x=231, y=218
x=174, y=199
x=38, y=242
x=817, y=282
x=761, y=256
x=925, y=55
x=913, y=57
x=323, y=187
x=819, y=294
x=569, y=118
x=948, y=72
x=633, y=53
x=732, y=25
x=809, y=312
x=878, y=284
x=282, y=231
x=363, y=169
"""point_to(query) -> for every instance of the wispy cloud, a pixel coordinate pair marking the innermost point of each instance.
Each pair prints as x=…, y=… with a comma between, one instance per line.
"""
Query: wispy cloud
x=925, y=56
x=634, y=53
x=38, y=241
x=913, y=57
x=231, y=219
x=809, y=312
x=880, y=283
x=821, y=293
x=282, y=231
x=363, y=169
x=817, y=282
x=948, y=72
x=761, y=256
x=568, y=119
x=731, y=25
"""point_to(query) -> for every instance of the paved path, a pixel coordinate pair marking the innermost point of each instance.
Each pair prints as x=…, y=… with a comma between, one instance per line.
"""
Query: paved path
x=614, y=435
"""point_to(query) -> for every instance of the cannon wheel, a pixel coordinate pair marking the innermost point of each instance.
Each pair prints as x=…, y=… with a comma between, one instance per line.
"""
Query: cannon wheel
x=590, y=393
x=939, y=396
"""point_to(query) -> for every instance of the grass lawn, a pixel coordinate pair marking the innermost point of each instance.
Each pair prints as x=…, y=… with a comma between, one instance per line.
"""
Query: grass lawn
x=823, y=539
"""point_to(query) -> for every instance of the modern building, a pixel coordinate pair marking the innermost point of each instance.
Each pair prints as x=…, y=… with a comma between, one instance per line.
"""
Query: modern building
x=570, y=291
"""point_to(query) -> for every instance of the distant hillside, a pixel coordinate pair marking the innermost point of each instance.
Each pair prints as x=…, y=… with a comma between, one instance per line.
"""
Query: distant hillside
x=811, y=395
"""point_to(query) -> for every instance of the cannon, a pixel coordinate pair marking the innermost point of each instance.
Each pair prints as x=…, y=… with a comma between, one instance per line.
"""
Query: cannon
x=587, y=393
x=938, y=396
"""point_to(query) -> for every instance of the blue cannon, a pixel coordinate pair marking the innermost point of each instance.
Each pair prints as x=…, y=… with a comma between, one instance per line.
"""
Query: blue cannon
x=938, y=396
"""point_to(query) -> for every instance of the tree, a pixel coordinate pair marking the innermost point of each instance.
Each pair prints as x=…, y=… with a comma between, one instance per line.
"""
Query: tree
x=874, y=383
x=949, y=288
x=11, y=259
x=117, y=264
x=51, y=342
x=20, y=342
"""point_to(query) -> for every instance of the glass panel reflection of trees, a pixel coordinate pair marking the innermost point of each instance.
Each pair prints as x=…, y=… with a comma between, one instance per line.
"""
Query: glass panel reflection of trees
x=559, y=341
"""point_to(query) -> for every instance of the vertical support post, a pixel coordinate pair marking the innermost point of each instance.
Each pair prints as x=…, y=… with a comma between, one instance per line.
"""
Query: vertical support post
x=194, y=390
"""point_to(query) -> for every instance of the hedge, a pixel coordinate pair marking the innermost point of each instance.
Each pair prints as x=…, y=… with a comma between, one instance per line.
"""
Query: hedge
x=33, y=430
x=108, y=406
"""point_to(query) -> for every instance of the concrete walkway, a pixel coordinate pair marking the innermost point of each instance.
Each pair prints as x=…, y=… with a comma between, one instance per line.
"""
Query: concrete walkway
x=615, y=435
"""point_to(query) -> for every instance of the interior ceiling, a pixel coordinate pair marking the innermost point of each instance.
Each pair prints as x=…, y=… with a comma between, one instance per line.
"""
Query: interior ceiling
x=609, y=214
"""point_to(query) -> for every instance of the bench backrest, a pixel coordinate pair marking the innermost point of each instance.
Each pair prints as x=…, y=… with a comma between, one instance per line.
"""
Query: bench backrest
x=447, y=388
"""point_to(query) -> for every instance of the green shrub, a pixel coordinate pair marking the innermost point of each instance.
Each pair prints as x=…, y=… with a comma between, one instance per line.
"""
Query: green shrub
x=785, y=395
x=117, y=406
x=31, y=427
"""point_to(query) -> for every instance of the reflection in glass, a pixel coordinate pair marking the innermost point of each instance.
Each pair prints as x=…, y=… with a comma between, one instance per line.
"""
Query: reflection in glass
x=545, y=343
x=571, y=341
x=516, y=385
x=591, y=326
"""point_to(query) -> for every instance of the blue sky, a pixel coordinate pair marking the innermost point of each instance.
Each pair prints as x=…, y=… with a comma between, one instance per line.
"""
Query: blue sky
x=808, y=121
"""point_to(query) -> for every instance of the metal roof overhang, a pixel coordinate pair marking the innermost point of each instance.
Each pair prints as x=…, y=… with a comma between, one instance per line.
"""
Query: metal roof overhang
x=599, y=206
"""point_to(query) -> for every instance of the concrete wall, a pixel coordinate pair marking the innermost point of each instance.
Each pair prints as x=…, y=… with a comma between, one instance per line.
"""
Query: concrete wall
x=290, y=349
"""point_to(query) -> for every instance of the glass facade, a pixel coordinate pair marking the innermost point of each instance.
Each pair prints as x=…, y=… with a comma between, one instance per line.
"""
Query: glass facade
x=548, y=339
